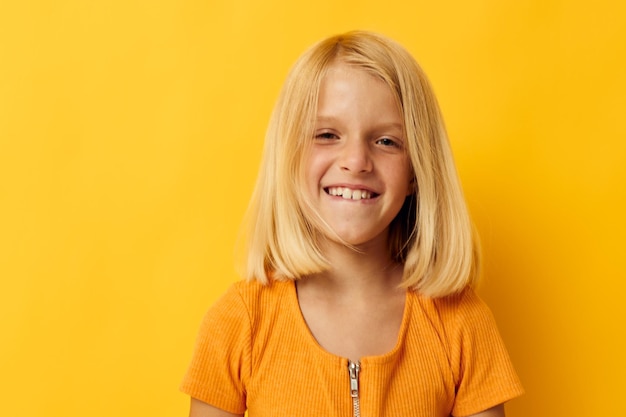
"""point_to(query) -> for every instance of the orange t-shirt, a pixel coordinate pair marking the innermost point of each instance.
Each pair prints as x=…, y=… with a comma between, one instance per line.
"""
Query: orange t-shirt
x=255, y=352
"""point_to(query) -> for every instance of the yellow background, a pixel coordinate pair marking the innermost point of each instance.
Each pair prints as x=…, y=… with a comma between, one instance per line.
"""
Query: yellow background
x=130, y=135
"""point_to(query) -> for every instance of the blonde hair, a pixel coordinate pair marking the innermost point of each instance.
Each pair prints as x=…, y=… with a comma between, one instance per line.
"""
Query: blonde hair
x=432, y=235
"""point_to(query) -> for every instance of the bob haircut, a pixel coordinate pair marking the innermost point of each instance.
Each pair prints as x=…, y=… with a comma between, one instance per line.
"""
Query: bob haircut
x=432, y=235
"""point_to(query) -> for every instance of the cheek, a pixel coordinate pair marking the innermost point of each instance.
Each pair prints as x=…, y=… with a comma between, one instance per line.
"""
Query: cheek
x=314, y=166
x=404, y=177
x=309, y=179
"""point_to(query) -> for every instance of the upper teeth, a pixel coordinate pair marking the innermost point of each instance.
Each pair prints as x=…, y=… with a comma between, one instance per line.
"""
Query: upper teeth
x=349, y=194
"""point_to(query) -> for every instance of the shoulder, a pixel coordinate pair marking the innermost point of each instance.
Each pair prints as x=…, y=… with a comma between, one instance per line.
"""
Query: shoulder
x=470, y=323
x=250, y=289
x=254, y=294
x=235, y=309
x=226, y=347
x=465, y=326
x=457, y=310
x=483, y=372
x=464, y=300
x=250, y=302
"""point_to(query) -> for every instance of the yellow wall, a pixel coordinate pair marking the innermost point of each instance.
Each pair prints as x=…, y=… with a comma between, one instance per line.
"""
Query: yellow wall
x=130, y=133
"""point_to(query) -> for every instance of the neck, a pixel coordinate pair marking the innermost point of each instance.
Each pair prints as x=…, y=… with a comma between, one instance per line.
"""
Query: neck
x=367, y=270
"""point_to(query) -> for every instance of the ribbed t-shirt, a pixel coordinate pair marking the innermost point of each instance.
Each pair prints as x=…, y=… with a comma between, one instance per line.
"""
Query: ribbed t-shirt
x=255, y=352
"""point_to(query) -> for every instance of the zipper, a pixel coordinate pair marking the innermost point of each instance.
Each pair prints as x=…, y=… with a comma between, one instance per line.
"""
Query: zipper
x=354, y=368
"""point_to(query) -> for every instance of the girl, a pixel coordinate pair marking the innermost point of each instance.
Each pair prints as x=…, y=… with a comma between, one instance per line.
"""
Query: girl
x=360, y=259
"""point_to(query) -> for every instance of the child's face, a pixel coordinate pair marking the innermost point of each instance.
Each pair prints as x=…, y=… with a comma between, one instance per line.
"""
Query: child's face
x=357, y=171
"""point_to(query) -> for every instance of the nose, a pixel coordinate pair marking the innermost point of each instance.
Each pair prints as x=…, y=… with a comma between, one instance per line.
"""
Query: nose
x=355, y=156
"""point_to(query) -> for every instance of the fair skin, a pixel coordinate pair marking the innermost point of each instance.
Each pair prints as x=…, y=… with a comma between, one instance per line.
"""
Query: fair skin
x=358, y=176
x=358, y=148
x=357, y=170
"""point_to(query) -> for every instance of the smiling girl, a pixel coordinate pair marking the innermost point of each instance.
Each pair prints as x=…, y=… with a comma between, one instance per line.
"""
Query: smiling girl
x=360, y=259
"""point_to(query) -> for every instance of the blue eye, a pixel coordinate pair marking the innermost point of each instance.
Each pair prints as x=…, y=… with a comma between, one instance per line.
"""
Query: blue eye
x=326, y=135
x=386, y=142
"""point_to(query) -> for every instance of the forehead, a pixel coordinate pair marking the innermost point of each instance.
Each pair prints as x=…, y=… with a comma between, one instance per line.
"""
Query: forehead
x=340, y=73
x=353, y=92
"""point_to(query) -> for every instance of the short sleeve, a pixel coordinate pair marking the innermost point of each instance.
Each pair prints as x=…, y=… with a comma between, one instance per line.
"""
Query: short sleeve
x=220, y=364
x=485, y=374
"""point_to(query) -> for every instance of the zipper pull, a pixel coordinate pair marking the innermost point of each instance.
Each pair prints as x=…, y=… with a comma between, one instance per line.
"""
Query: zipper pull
x=354, y=368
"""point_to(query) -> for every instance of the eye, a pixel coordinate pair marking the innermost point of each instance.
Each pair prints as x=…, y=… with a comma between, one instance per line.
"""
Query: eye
x=388, y=142
x=326, y=136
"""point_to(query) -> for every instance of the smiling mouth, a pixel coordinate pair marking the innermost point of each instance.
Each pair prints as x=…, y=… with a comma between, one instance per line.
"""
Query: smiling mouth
x=350, y=194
